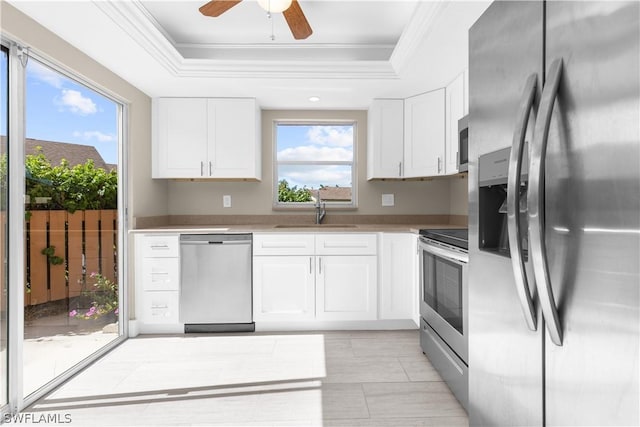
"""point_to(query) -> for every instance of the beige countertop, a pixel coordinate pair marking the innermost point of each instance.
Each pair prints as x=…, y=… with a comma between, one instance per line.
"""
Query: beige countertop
x=296, y=228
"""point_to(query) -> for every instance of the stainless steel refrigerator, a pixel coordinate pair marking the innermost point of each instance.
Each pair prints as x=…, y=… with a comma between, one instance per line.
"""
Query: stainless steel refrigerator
x=554, y=214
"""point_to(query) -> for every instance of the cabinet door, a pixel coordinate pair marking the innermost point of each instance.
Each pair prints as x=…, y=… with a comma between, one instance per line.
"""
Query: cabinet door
x=385, y=138
x=398, y=276
x=234, y=145
x=455, y=111
x=424, y=134
x=346, y=288
x=180, y=137
x=283, y=244
x=160, y=274
x=159, y=307
x=346, y=244
x=283, y=288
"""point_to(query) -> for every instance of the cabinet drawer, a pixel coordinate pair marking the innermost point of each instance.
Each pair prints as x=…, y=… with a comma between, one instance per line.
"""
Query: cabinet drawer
x=159, y=245
x=283, y=244
x=160, y=307
x=346, y=244
x=161, y=274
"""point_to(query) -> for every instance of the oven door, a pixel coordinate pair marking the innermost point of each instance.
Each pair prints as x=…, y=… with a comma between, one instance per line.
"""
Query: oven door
x=443, y=293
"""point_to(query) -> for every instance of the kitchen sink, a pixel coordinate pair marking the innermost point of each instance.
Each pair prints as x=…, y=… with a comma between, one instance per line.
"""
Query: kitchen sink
x=316, y=226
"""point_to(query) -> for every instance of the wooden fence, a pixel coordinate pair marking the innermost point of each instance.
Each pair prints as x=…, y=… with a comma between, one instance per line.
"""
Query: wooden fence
x=85, y=240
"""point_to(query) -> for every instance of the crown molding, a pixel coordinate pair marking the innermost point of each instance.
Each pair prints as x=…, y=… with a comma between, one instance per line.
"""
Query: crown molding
x=421, y=24
x=136, y=22
x=133, y=20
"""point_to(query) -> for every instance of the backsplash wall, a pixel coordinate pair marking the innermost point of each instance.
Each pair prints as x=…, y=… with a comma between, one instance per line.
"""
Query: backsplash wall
x=255, y=198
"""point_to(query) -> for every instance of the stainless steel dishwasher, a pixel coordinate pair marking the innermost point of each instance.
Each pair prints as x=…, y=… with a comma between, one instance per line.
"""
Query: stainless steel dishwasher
x=216, y=284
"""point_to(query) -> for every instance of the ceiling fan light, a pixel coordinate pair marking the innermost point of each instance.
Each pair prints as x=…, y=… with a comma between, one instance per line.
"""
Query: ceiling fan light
x=275, y=6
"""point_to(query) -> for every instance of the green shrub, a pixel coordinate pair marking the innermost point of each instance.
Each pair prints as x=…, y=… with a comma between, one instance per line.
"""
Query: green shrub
x=74, y=188
x=292, y=194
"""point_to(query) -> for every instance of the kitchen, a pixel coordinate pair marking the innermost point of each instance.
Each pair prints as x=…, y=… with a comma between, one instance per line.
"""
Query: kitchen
x=165, y=203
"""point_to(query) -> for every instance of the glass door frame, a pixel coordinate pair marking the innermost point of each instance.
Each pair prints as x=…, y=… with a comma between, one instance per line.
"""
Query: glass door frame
x=16, y=259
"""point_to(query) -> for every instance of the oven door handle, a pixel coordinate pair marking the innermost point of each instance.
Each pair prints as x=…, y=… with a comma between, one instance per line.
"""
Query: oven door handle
x=443, y=253
x=513, y=202
x=536, y=203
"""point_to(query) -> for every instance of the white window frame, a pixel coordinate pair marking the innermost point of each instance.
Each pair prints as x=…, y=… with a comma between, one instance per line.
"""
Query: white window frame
x=354, y=170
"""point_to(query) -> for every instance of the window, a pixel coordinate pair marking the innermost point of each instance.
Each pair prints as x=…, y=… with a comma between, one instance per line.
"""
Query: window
x=314, y=160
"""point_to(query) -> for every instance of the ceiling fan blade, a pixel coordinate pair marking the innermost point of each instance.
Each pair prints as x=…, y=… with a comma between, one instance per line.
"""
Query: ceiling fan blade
x=217, y=7
x=298, y=23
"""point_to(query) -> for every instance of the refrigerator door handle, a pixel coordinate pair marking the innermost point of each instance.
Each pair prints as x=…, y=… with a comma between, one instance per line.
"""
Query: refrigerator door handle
x=513, y=202
x=536, y=202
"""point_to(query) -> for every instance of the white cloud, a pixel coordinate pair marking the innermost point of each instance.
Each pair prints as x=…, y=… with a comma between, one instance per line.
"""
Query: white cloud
x=333, y=136
x=45, y=74
x=94, y=134
x=311, y=153
x=73, y=101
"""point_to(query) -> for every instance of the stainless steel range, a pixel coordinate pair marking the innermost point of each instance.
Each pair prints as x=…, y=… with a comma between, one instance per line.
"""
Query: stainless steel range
x=443, y=305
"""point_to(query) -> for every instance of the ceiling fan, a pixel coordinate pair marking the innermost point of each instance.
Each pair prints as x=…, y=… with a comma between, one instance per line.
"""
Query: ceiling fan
x=291, y=10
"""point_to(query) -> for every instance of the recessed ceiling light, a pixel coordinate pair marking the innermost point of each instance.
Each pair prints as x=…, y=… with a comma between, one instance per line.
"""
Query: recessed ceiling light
x=314, y=98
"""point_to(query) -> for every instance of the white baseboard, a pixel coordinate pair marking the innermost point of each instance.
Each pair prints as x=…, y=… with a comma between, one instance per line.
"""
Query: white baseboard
x=353, y=325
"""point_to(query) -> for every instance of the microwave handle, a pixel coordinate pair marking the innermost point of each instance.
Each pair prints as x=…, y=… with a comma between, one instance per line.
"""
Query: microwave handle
x=536, y=203
x=513, y=201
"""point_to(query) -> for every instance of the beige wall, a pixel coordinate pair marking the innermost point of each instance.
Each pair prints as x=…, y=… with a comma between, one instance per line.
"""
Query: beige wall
x=146, y=197
x=255, y=198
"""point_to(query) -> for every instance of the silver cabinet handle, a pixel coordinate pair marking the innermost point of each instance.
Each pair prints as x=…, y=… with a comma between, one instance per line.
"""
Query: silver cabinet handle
x=319, y=265
x=536, y=202
x=439, y=163
x=399, y=168
x=513, y=202
x=210, y=169
x=310, y=264
x=201, y=168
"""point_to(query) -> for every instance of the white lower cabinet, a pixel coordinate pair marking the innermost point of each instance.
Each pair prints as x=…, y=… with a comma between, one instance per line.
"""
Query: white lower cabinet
x=284, y=288
x=315, y=277
x=300, y=280
x=157, y=279
x=346, y=288
x=398, y=276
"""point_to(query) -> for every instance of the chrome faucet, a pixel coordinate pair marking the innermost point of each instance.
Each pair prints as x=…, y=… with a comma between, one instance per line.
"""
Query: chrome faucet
x=320, y=209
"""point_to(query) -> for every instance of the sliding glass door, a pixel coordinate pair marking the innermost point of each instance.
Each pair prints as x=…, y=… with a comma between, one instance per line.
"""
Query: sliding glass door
x=61, y=242
x=4, y=196
x=71, y=300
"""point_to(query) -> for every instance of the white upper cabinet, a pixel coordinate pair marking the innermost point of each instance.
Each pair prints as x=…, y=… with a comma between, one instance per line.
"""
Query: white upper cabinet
x=424, y=134
x=455, y=110
x=206, y=138
x=385, y=145
x=407, y=137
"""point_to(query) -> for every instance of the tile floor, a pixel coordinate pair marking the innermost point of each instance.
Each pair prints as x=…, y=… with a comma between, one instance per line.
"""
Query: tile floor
x=338, y=378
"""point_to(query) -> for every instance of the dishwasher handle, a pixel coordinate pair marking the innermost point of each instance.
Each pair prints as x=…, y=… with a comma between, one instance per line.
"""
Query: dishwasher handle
x=215, y=239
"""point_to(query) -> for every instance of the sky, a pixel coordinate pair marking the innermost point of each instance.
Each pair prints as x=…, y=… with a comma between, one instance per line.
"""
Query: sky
x=316, y=143
x=59, y=109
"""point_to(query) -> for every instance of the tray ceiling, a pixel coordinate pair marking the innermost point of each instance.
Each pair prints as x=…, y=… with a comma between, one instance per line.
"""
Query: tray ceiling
x=359, y=49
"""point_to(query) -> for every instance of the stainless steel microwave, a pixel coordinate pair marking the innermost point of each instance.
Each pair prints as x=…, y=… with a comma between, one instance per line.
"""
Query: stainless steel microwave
x=463, y=144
